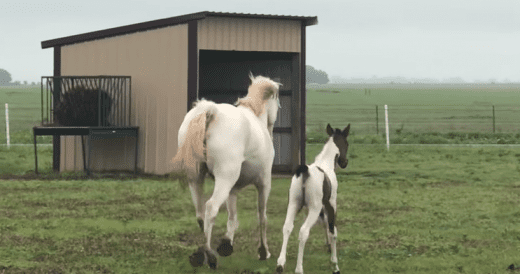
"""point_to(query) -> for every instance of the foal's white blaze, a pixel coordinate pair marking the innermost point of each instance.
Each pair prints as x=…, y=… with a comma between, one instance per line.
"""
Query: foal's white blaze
x=235, y=145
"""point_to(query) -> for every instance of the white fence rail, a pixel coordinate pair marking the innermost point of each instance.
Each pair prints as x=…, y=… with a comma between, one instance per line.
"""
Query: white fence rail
x=7, y=125
x=387, y=129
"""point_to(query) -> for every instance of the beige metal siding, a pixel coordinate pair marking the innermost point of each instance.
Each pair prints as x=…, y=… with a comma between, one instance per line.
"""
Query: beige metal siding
x=223, y=33
x=282, y=146
x=157, y=61
x=75, y=159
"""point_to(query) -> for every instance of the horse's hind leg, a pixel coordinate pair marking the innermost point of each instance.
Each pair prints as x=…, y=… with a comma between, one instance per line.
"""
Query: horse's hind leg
x=263, y=194
x=224, y=181
x=196, y=184
x=226, y=245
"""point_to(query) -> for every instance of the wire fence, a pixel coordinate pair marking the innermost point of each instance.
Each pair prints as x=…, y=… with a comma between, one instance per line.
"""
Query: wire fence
x=364, y=120
x=423, y=119
x=493, y=119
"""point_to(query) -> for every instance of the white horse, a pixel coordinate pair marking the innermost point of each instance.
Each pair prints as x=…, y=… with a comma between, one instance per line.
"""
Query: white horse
x=234, y=145
x=315, y=186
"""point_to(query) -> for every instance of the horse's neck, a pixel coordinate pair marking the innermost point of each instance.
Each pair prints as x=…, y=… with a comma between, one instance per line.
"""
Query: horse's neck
x=263, y=117
x=325, y=159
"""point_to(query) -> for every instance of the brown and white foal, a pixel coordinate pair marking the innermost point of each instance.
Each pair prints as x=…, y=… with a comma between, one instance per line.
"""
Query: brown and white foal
x=315, y=186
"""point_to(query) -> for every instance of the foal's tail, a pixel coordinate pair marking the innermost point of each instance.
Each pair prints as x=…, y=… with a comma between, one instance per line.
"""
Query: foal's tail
x=302, y=169
x=192, y=152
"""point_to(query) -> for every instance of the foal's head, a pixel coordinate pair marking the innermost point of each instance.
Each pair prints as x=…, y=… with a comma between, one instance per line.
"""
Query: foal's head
x=340, y=140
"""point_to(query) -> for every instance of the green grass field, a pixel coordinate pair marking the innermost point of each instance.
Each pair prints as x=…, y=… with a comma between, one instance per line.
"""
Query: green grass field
x=425, y=109
x=410, y=210
x=25, y=111
x=24, y=108
x=414, y=209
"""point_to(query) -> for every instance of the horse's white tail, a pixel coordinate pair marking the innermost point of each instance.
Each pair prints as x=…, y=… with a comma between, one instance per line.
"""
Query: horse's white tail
x=192, y=152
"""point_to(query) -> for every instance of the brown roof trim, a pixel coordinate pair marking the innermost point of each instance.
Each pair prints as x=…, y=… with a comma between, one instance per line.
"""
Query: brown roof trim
x=307, y=21
x=121, y=30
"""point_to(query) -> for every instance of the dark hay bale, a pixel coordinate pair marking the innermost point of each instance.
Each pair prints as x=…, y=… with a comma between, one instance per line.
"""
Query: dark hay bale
x=80, y=107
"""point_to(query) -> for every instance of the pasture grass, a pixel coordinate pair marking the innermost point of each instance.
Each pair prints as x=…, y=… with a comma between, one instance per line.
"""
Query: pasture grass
x=316, y=135
x=414, y=108
x=409, y=210
x=430, y=114
x=24, y=108
x=19, y=160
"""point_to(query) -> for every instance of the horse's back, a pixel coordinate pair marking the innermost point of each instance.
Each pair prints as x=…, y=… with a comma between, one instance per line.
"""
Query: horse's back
x=228, y=128
x=260, y=145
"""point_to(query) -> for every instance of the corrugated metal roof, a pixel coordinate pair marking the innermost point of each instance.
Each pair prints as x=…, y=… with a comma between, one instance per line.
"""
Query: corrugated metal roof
x=307, y=21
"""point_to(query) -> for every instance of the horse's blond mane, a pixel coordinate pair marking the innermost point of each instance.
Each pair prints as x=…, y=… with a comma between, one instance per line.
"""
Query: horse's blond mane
x=259, y=92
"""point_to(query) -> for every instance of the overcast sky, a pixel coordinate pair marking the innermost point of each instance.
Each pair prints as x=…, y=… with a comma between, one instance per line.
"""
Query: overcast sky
x=472, y=39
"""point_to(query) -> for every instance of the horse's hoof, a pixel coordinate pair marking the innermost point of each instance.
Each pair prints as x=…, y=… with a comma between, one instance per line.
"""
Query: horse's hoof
x=197, y=258
x=263, y=254
x=201, y=224
x=225, y=248
x=279, y=269
x=337, y=272
x=212, y=259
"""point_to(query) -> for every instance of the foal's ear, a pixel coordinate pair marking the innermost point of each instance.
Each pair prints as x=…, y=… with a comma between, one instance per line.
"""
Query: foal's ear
x=346, y=131
x=330, y=131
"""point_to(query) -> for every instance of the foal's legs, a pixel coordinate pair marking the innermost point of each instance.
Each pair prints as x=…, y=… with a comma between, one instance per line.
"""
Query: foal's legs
x=314, y=213
x=295, y=203
x=334, y=236
x=333, y=257
x=324, y=221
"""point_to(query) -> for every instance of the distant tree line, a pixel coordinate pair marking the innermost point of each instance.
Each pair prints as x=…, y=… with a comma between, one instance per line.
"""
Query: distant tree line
x=5, y=80
x=317, y=76
x=5, y=77
x=403, y=80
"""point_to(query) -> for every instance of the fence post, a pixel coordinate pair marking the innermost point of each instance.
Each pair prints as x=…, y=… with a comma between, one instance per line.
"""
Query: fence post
x=377, y=121
x=387, y=129
x=7, y=125
x=493, y=119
